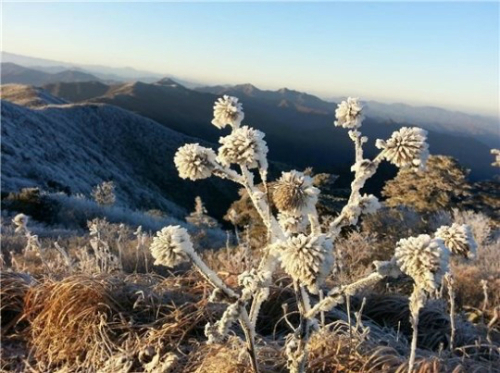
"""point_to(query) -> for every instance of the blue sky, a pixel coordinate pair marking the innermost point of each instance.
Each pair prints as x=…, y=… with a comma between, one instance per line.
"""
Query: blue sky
x=442, y=54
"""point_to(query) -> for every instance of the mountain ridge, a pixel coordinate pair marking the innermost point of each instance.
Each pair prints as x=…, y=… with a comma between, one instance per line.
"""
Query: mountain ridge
x=77, y=146
x=296, y=137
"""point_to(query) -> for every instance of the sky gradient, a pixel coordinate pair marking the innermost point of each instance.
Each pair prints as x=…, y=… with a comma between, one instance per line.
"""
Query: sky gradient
x=440, y=54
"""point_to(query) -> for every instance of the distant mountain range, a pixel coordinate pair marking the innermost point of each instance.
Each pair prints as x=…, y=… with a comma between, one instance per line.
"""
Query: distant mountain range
x=298, y=126
x=104, y=73
x=77, y=146
x=76, y=130
x=12, y=73
x=483, y=128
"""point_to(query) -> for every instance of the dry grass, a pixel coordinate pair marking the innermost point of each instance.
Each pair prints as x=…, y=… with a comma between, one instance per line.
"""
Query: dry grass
x=68, y=317
x=150, y=319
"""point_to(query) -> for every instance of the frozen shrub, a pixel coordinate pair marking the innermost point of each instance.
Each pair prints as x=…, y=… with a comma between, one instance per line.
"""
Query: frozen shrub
x=104, y=194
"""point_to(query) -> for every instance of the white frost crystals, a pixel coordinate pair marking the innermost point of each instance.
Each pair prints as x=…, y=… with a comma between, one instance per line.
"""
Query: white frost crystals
x=348, y=114
x=171, y=246
x=245, y=146
x=424, y=259
x=458, y=239
x=228, y=112
x=194, y=162
x=406, y=148
x=308, y=259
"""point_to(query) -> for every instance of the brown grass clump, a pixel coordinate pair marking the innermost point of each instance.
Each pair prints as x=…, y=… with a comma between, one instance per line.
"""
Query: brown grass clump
x=72, y=320
x=338, y=351
x=13, y=288
x=231, y=358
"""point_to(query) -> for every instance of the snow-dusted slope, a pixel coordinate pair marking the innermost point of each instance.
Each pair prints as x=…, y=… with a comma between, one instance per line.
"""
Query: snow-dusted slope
x=29, y=96
x=79, y=146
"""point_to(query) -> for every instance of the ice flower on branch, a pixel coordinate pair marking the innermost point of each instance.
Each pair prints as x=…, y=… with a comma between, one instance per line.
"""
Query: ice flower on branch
x=21, y=222
x=294, y=191
x=348, y=114
x=171, y=246
x=308, y=259
x=406, y=148
x=245, y=146
x=228, y=112
x=496, y=153
x=194, y=162
x=458, y=239
x=424, y=259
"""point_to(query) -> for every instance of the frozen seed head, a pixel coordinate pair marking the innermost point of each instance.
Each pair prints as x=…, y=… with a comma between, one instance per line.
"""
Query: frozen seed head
x=228, y=112
x=496, y=153
x=194, y=162
x=308, y=259
x=245, y=146
x=294, y=191
x=20, y=221
x=348, y=114
x=171, y=246
x=424, y=259
x=458, y=239
x=406, y=148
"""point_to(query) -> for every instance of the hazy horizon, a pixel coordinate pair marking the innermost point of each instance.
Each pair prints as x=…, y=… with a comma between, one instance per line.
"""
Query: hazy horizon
x=422, y=54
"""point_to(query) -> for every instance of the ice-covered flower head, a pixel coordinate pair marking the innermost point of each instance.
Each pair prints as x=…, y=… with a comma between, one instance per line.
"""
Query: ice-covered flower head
x=308, y=259
x=496, y=153
x=228, y=111
x=406, y=148
x=194, y=161
x=245, y=146
x=20, y=221
x=171, y=246
x=458, y=239
x=294, y=191
x=424, y=259
x=348, y=114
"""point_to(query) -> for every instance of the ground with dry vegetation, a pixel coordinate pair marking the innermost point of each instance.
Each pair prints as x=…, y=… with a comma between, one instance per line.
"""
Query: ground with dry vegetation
x=119, y=313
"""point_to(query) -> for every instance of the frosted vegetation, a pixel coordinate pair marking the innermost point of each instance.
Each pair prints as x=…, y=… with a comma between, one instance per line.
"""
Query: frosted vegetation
x=377, y=287
x=296, y=240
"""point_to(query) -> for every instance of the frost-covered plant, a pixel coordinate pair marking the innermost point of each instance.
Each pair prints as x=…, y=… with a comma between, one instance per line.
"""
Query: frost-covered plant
x=227, y=112
x=194, y=162
x=102, y=260
x=296, y=240
x=171, y=246
x=349, y=114
x=308, y=259
x=406, y=148
x=199, y=217
x=496, y=153
x=426, y=261
x=33, y=245
x=104, y=194
x=458, y=239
